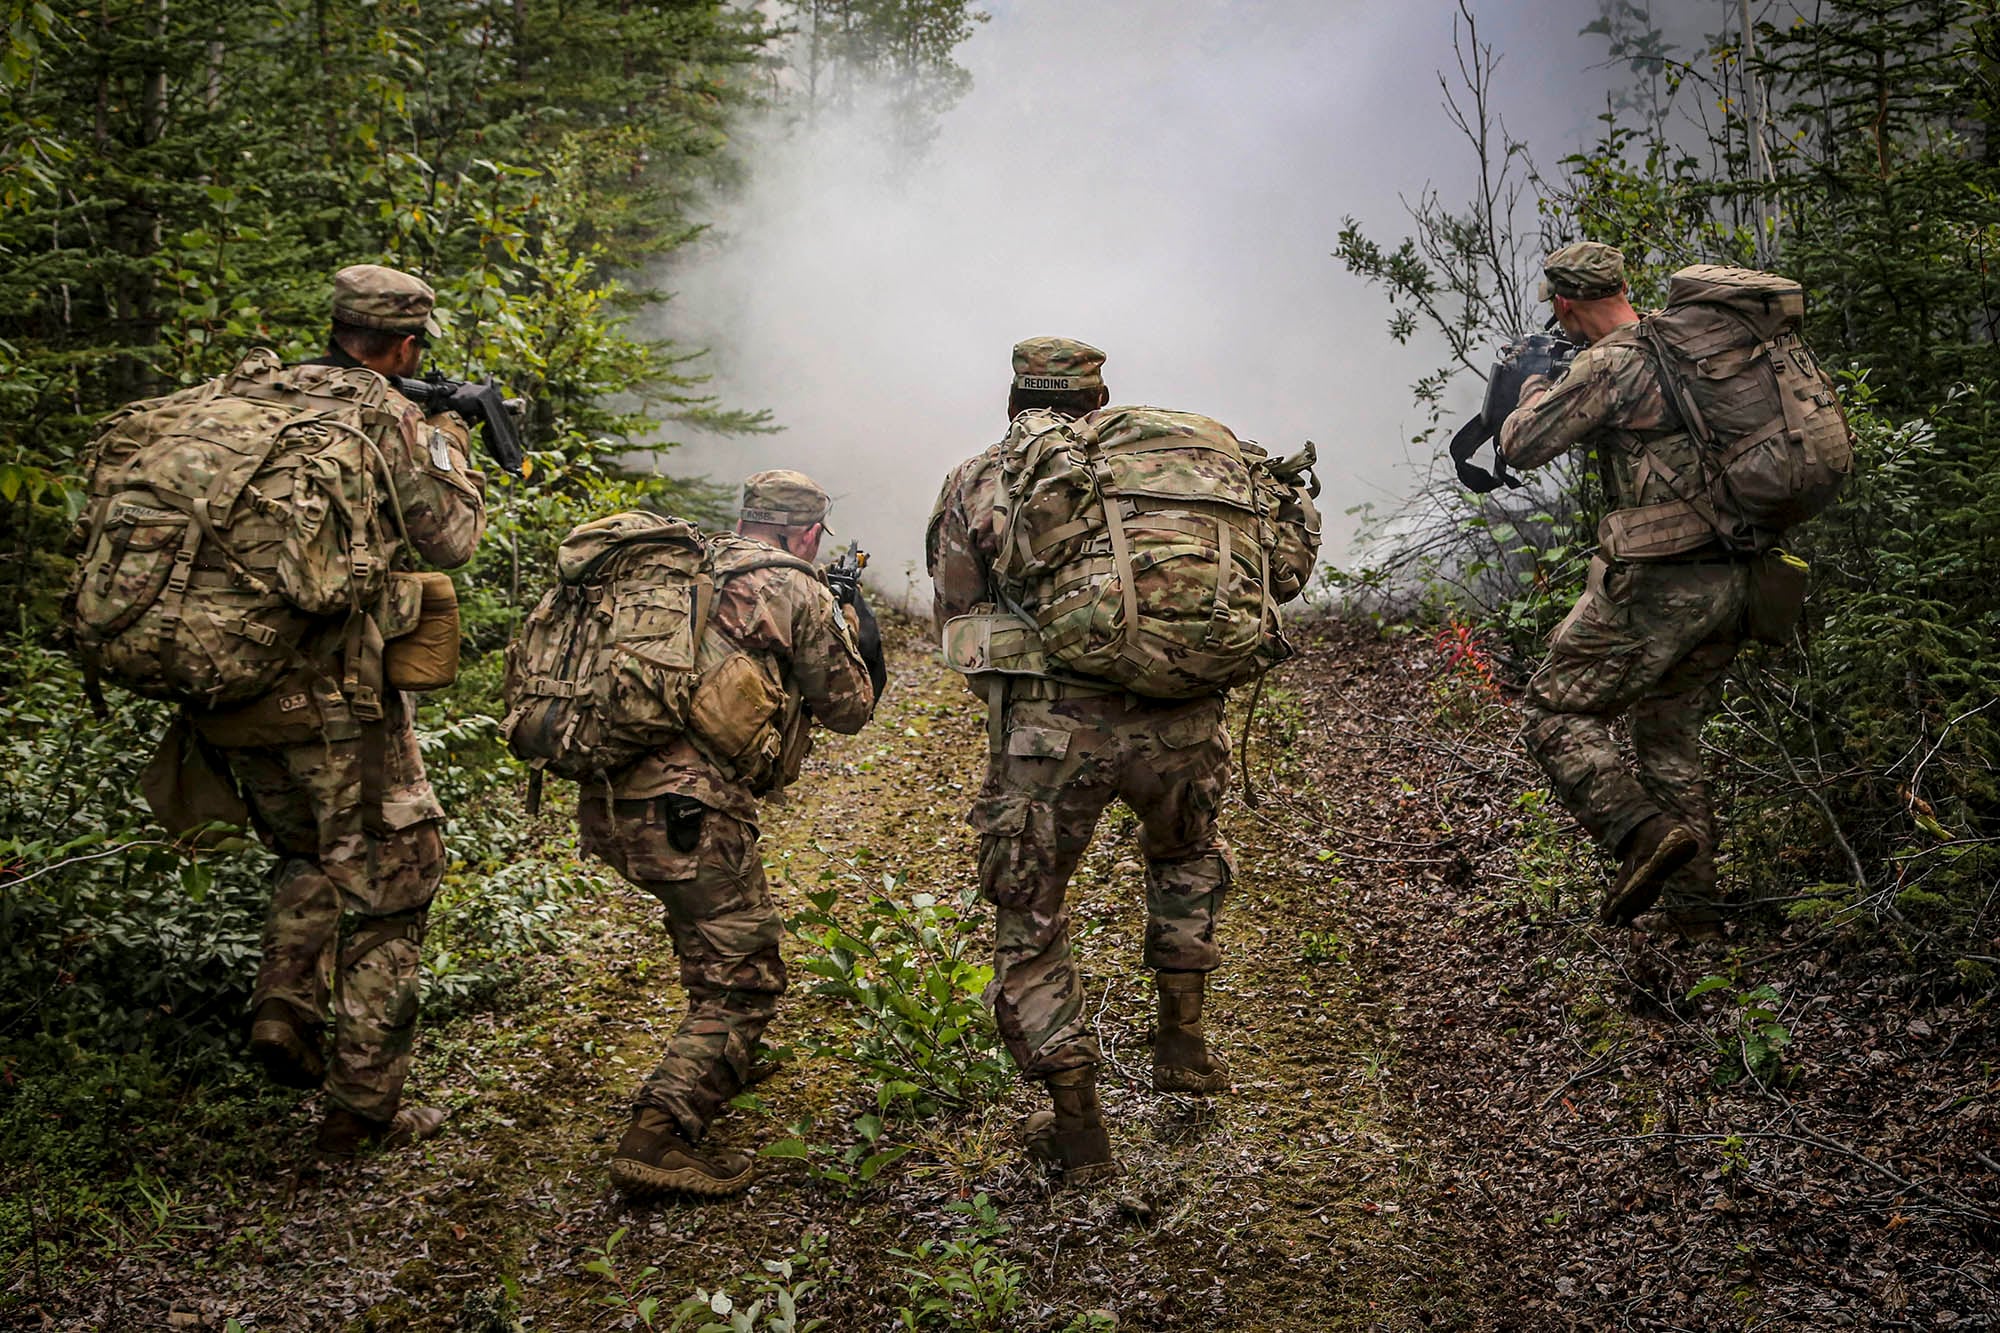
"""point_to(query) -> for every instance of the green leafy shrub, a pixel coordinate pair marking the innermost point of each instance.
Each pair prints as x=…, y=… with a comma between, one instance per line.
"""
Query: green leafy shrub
x=910, y=973
x=766, y=1301
x=1755, y=1035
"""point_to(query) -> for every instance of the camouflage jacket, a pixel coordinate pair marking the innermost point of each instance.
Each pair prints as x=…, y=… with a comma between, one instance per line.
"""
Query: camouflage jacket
x=1610, y=400
x=788, y=618
x=443, y=498
x=963, y=539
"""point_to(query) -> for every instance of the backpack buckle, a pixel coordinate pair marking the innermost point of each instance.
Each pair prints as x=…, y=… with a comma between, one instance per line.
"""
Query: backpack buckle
x=256, y=633
x=366, y=704
x=177, y=581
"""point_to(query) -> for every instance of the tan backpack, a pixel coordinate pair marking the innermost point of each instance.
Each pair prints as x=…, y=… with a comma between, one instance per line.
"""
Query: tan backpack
x=617, y=660
x=1775, y=446
x=229, y=521
x=1152, y=548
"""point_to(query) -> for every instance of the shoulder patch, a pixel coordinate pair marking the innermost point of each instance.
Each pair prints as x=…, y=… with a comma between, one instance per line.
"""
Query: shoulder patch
x=440, y=450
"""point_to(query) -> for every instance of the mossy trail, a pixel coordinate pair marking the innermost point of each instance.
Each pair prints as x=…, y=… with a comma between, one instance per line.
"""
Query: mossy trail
x=1284, y=1204
x=1458, y=1102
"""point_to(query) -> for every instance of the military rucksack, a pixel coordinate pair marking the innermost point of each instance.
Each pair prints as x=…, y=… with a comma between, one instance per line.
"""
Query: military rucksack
x=617, y=659
x=1151, y=549
x=229, y=521
x=1774, y=444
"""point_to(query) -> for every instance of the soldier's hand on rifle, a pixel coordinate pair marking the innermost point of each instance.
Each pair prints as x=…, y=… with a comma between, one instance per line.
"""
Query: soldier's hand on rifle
x=1532, y=388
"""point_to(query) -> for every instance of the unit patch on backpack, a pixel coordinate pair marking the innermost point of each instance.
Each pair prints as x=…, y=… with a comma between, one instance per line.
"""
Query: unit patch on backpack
x=1151, y=549
x=227, y=522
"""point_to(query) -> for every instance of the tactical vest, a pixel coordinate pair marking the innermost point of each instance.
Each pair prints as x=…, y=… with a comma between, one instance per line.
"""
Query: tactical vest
x=230, y=523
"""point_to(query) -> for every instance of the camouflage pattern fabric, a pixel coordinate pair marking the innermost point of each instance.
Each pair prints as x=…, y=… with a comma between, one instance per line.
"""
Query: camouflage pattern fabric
x=1145, y=545
x=725, y=931
x=783, y=498
x=1583, y=271
x=346, y=921
x=1057, y=365
x=787, y=620
x=1063, y=757
x=1652, y=640
x=1647, y=639
x=1065, y=760
x=719, y=912
x=305, y=799
x=1610, y=397
x=370, y=296
x=962, y=540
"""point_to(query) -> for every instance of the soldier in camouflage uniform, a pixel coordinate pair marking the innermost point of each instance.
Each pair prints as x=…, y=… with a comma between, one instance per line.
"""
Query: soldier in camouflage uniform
x=1063, y=752
x=347, y=914
x=681, y=823
x=1648, y=639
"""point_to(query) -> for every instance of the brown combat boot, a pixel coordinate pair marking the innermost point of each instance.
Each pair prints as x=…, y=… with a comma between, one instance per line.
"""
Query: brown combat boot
x=1182, y=1061
x=1654, y=851
x=287, y=1046
x=344, y=1134
x=654, y=1156
x=1071, y=1137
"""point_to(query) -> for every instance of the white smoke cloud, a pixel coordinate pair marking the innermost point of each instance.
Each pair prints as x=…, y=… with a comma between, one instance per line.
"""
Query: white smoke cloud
x=1164, y=180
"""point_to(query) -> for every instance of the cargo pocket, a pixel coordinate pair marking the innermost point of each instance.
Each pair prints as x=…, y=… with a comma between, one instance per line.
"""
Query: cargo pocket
x=632, y=838
x=1011, y=856
x=1594, y=651
x=1038, y=742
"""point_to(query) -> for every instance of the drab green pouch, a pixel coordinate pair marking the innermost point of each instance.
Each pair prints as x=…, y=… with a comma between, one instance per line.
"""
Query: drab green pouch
x=191, y=791
x=1777, y=596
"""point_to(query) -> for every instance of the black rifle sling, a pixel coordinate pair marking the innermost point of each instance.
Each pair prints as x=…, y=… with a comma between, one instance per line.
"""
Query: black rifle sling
x=1465, y=444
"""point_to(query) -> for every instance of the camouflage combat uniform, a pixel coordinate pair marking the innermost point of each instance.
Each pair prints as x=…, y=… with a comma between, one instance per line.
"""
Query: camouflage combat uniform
x=341, y=862
x=719, y=913
x=1648, y=638
x=1065, y=753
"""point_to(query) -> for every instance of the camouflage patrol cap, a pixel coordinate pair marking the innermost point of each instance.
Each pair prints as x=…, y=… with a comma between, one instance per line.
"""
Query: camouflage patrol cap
x=1057, y=365
x=1585, y=271
x=370, y=296
x=784, y=499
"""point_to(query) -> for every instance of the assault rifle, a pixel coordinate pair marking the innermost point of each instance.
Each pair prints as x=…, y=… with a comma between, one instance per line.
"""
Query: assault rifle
x=479, y=403
x=1537, y=354
x=844, y=574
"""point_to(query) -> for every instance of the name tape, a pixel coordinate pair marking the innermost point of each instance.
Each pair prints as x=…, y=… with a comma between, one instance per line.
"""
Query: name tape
x=1047, y=383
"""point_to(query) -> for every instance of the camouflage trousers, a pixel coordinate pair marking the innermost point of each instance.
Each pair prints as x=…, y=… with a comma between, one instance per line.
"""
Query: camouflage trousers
x=1648, y=641
x=725, y=931
x=1062, y=762
x=345, y=926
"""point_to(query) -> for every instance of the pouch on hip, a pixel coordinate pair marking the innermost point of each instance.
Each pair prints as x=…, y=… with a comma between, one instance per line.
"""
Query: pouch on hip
x=1777, y=596
x=425, y=657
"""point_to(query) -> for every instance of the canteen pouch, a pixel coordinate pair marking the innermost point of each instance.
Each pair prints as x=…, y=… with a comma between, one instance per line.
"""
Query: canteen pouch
x=736, y=714
x=1777, y=596
x=423, y=656
x=993, y=641
x=190, y=791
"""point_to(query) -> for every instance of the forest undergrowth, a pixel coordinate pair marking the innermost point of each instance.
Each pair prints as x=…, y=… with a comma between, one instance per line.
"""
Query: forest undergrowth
x=1458, y=1102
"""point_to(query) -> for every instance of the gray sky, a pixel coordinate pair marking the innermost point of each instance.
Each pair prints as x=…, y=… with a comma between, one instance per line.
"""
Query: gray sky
x=1163, y=178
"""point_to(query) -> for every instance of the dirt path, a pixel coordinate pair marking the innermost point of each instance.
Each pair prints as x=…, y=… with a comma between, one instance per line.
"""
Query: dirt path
x=1425, y=1050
